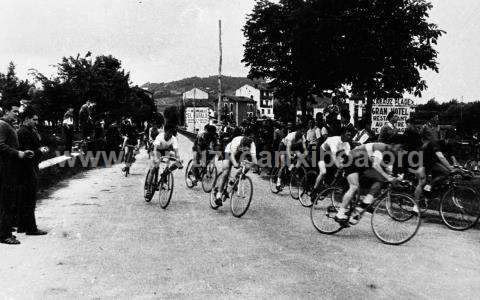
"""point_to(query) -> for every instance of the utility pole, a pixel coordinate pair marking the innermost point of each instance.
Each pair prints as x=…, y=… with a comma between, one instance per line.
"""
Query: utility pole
x=194, y=110
x=219, y=71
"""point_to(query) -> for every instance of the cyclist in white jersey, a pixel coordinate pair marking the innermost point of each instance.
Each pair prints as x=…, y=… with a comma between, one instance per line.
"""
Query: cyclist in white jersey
x=164, y=144
x=329, y=156
x=240, y=148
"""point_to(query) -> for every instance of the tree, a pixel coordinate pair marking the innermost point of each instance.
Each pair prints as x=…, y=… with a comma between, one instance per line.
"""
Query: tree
x=12, y=88
x=373, y=47
x=101, y=80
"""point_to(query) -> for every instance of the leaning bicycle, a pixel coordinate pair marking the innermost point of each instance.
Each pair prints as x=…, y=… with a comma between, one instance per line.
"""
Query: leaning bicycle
x=162, y=181
x=238, y=189
x=395, y=216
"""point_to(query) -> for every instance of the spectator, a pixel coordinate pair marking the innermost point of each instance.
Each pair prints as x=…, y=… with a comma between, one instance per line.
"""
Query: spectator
x=28, y=138
x=313, y=133
x=9, y=173
x=346, y=125
x=389, y=129
x=363, y=135
x=85, y=119
x=68, y=129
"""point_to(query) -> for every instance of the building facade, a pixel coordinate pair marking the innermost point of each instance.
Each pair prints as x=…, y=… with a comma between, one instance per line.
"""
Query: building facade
x=238, y=109
x=263, y=99
x=195, y=93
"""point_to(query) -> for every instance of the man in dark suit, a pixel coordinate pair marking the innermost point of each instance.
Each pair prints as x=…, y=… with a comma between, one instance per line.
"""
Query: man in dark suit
x=10, y=158
x=28, y=138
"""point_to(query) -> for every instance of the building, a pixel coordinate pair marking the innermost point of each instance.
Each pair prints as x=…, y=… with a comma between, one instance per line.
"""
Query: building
x=195, y=93
x=262, y=96
x=238, y=109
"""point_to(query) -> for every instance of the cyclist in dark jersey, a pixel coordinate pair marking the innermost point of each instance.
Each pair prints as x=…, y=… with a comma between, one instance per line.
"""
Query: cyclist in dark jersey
x=130, y=141
x=203, y=149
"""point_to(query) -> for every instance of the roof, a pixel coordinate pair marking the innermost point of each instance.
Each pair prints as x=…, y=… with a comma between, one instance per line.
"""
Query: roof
x=238, y=99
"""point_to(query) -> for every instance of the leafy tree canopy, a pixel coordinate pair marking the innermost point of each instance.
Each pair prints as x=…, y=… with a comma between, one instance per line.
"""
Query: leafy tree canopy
x=375, y=47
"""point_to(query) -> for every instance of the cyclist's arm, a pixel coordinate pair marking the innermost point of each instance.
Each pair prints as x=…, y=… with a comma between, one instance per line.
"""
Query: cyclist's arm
x=234, y=160
x=377, y=165
x=443, y=160
x=253, y=153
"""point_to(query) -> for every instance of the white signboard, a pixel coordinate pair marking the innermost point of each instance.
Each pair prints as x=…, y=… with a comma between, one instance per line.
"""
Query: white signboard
x=198, y=118
x=381, y=108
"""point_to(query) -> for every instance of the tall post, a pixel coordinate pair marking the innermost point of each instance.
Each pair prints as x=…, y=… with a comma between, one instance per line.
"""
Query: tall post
x=194, y=110
x=219, y=71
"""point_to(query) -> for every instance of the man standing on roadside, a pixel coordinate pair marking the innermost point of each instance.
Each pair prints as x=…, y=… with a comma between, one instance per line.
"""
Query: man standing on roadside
x=10, y=157
x=28, y=138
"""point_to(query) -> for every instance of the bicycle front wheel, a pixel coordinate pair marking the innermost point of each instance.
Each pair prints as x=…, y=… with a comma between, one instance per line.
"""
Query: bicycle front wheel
x=209, y=177
x=306, y=188
x=149, y=188
x=189, y=177
x=396, y=220
x=324, y=209
x=460, y=208
x=165, y=191
x=296, y=179
x=241, y=196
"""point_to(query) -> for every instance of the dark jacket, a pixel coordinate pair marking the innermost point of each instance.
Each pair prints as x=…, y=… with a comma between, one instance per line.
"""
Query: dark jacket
x=28, y=139
x=8, y=154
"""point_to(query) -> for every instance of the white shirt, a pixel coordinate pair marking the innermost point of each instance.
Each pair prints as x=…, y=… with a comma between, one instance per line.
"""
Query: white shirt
x=232, y=147
x=373, y=154
x=361, y=137
x=162, y=144
x=313, y=135
x=334, y=144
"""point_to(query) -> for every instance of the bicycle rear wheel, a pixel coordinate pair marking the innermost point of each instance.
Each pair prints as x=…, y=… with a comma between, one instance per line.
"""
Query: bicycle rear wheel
x=460, y=208
x=324, y=209
x=241, y=196
x=209, y=177
x=396, y=220
x=273, y=180
x=165, y=191
x=296, y=178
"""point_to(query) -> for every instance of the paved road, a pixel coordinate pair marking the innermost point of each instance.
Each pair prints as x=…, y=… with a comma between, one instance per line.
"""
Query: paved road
x=106, y=242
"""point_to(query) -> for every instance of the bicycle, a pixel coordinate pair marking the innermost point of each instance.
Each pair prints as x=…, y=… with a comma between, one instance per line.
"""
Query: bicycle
x=129, y=158
x=308, y=183
x=207, y=174
x=239, y=190
x=459, y=205
x=164, y=187
x=395, y=216
x=294, y=178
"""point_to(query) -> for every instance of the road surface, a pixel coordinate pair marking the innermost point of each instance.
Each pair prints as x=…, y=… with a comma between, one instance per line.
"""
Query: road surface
x=106, y=242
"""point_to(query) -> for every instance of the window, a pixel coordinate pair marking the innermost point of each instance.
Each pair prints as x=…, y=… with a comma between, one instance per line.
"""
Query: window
x=263, y=111
x=231, y=106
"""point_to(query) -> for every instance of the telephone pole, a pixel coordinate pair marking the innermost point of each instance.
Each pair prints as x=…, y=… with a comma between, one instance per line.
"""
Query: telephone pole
x=219, y=71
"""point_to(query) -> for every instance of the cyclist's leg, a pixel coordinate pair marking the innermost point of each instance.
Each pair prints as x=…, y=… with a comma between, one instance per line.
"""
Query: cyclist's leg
x=222, y=179
x=353, y=186
x=318, y=182
x=422, y=181
x=283, y=162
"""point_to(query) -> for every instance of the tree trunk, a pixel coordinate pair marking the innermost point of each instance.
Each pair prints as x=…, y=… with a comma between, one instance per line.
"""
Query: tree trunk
x=368, y=109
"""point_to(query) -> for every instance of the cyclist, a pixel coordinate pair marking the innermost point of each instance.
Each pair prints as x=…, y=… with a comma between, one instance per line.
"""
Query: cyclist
x=369, y=162
x=203, y=148
x=293, y=143
x=331, y=151
x=130, y=142
x=238, y=149
x=164, y=144
x=432, y=162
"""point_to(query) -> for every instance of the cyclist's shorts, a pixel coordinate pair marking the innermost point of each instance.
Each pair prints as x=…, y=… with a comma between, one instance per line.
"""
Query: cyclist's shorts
x=165, y=152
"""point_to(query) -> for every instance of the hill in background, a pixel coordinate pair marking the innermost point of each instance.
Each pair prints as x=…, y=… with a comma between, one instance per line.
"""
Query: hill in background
x=208, y=84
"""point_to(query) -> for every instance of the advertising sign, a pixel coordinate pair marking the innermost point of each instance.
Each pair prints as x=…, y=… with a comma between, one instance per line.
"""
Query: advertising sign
x=198, y=117
x=381, y=108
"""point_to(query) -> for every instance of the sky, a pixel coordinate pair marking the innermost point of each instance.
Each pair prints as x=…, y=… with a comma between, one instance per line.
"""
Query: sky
x=165, y=40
